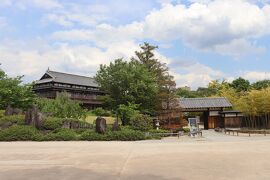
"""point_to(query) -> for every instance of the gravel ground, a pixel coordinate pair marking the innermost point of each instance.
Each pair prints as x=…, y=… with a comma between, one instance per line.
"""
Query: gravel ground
x=214, y=156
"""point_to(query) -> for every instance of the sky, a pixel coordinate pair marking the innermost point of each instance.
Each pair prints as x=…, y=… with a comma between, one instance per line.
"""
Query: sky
x=200, y=40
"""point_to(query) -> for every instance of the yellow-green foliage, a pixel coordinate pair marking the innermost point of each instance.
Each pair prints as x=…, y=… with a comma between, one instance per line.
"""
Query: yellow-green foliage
x=254, y=102
x=15, y=119
x=2, y=113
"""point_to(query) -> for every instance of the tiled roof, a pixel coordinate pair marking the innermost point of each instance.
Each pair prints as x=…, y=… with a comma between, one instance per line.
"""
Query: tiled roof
x=68, y=79
x=199, y=103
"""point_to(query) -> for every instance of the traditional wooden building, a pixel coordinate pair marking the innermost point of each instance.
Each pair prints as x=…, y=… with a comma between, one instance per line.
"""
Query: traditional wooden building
x=80, y=88
x=213, y=111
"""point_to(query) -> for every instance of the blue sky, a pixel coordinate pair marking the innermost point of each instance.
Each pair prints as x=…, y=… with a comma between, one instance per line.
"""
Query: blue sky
x=200, y=40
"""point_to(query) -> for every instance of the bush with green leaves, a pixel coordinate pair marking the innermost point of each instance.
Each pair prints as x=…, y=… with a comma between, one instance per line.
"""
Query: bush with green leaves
x=101, y=112
x=52, y=123
x=57, y=135
x=126, y=112
x=18, y=133
x=13, y=93
x=158, y=134
x=141, y=122
x=91, y=135
x=62, y=107
x=186, y=130
x=2, y=113
x=14, y=119
x=126, y=134
x=62, y=135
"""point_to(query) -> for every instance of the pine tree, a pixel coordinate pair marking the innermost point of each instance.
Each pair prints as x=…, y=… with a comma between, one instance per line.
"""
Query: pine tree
x=166, y=83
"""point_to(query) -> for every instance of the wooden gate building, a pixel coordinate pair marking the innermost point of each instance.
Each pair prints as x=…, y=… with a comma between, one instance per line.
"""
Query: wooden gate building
x=213, y=111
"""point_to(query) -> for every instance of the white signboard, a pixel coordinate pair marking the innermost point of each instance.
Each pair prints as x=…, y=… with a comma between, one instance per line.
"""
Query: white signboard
x=193, y=124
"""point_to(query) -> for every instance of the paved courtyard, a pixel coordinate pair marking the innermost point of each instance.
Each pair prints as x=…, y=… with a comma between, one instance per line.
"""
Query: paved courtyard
x=216, y=156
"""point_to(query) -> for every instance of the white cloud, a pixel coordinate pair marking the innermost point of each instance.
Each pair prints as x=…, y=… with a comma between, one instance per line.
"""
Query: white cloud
x=33, y=58
x=256, y=75
x=193, y=74
x=103, y=35
x=218, y=26
x=209, y=26
x=239, y=47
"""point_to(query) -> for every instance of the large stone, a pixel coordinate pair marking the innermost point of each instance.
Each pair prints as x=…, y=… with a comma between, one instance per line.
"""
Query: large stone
x=116, y=126
x=101, y=125
x=12, y=111
x=34, y=117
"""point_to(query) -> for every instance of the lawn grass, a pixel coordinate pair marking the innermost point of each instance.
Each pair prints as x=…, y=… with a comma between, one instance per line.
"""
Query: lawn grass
x=91, y=118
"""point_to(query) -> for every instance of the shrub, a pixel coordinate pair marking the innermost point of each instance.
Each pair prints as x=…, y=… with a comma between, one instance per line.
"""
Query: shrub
x=101, y=112
x=126, y=112
x=141, y=122
x=62, y=135
x=52, y=123
x=125, y=134
x=157, y=134
x=186, y=130
x=2, y=112
x=18, y=133
x=58, y=135
x=91, y=135
x=15, y=119
x=62, y=107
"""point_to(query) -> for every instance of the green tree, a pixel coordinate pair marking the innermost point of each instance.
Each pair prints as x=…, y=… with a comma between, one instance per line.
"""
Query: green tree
x=126, y=112
x=62, y=107
x=261, y=84
x=240, y=84
x=165, y=82
x=128, y=82
x=13, y=93
x=185, y=92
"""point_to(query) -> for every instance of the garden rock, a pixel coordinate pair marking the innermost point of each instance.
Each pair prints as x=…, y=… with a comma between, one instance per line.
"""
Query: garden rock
x=12, y=111
x=100, y=125
x=34, y=117
x=116, y=126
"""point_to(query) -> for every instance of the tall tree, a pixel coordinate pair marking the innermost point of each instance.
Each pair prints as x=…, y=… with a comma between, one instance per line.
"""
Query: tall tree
x=127, y=82
x=241, y=84
x=13, y=93
x=165, y=82
x=261, y=84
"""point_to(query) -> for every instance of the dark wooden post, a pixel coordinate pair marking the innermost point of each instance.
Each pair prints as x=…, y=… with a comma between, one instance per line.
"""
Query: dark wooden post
x=205, y=117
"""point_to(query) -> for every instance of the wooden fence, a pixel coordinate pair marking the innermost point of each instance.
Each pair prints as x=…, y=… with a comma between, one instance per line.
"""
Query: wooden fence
x=256, y=122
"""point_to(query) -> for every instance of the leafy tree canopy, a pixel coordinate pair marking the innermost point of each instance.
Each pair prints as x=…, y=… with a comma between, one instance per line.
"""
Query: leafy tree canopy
x=128, y=82
x=240, y=85
x=261, y=84
x=62, y=107
x=13, y=93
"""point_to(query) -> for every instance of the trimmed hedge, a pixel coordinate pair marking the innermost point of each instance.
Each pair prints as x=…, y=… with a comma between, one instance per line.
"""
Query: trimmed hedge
x=101, y=112
x=52, y=123
x=141, y=122
x=14, y=119
x=18, y=133
x=60, y=135
x=123, y=135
